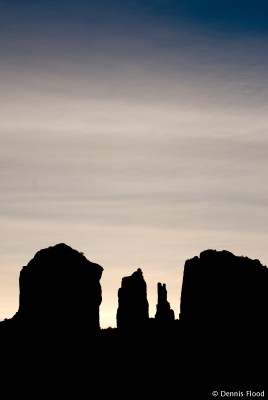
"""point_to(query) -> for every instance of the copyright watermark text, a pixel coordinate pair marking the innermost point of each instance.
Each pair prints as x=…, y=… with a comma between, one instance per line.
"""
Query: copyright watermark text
x=239, y=393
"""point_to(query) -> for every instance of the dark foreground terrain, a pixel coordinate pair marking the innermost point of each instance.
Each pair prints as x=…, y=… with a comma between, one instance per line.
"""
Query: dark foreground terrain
x=217, y=348
x=175, y=362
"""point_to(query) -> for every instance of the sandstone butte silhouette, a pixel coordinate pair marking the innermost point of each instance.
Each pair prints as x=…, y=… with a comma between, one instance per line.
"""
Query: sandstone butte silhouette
x=219, y=338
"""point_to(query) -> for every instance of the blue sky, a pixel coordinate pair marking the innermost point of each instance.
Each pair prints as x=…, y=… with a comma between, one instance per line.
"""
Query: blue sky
x=135, y=132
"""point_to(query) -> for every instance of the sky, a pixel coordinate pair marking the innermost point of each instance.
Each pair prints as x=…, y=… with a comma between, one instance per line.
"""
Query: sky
x=134, y=132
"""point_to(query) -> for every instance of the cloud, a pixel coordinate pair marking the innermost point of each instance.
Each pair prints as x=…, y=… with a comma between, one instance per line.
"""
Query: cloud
x=66, y=153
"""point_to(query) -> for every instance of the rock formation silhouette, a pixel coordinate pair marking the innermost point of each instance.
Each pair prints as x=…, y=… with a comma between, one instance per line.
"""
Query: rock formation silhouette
x=164, y=314
x=60, y=288
x=203, y=351
x=219, y=287
x=133, y=308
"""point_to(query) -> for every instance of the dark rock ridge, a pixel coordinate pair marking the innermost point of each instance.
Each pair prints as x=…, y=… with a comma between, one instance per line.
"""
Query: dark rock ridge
x=164, y=314
x=60, y=289
x=60, y=285
x=219, y=287
x=133, y=307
